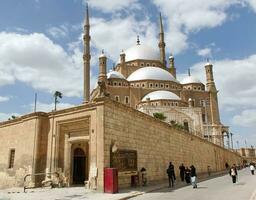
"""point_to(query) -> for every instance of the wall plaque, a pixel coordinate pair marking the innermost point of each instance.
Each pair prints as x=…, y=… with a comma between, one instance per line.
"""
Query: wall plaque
x=124, y=160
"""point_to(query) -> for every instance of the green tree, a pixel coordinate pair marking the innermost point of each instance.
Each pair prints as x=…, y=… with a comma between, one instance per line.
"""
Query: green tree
x=56, y=95
x=159, y=116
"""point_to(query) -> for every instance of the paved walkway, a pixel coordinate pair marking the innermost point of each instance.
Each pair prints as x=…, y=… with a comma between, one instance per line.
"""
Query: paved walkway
x=220, y=188
x=217, y=188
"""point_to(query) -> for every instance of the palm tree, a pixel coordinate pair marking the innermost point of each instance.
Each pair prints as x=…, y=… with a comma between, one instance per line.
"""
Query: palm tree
x=56, y=95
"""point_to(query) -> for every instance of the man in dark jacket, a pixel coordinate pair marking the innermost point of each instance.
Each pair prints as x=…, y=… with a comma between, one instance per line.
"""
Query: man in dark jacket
x=171, y=174
x=182, y=172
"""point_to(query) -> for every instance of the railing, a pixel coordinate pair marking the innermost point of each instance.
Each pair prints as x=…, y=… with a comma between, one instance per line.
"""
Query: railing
x=34, y=175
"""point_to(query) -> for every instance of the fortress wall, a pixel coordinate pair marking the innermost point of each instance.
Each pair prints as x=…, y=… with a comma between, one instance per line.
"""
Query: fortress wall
x=157, y=144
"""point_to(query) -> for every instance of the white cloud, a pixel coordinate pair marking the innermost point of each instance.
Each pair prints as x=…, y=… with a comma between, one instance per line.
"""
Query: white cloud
x=235, y=81
x=34, y=59
x=252, y=3
x=112, y=5
x=4, y=99
x=206, y=52
x=120, y=33
x=246, y=118
x=57, y=32
x=183, y=17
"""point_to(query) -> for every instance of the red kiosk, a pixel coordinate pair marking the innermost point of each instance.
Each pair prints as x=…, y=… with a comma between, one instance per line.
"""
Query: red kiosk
x=110, y=180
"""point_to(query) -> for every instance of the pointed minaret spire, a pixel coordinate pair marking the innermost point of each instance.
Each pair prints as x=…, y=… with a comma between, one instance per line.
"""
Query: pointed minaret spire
x=87, y=56
x=189, y=74
x=138, y=40
x=161, y=43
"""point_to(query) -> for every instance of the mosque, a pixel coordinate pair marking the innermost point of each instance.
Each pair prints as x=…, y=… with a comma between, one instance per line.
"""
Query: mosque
x=138, y=116
x=143, y=80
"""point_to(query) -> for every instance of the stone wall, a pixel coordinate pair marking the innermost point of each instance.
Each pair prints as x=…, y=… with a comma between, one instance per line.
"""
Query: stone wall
x=157, y=143
x=23, y=135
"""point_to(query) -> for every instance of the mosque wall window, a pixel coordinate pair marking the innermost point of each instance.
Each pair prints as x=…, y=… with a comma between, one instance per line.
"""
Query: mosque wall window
x=199, y=88
x=161, y=85
x=189, y=88
x=148, y=64
x=204, y=118
x=141, y=64
x=132, y=85
x=186, y=127
x=120, y=84
x=117, y=98
x=127, y=100
x=150, y=85
x=194, y=88
x=115, y=83
x=143, y=85
x=166, y=86
x=11, y=158
x=153, y=64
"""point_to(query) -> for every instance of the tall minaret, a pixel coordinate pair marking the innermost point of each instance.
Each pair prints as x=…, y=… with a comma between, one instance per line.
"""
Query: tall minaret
x=210, y=85
x=87, y=57
x=172, y=66
x=161, y=43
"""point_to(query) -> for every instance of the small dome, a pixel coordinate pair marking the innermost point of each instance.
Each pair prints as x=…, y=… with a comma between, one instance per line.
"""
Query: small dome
x=160, y=95
x=190, y=79
x=151, y=73
x=141, y=51
x=114, y=74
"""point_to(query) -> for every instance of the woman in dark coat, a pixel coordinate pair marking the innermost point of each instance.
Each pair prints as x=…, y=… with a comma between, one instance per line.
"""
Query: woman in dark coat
x=193, y=176
x=187, y=175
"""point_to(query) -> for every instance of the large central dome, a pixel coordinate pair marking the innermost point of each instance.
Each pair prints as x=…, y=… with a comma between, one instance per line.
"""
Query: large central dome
x=141, y=51
x=151, y=73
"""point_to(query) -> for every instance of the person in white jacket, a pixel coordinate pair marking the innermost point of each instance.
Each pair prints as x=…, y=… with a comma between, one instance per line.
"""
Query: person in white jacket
x=252, y=168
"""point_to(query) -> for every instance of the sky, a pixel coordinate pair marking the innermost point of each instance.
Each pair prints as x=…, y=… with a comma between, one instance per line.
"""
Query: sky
x=41, y=50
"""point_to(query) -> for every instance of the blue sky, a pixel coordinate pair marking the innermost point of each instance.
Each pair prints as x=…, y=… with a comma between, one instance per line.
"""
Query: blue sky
x=41, y=49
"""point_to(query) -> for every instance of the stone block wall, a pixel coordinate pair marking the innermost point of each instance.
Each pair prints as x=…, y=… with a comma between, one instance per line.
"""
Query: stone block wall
x=157, y=143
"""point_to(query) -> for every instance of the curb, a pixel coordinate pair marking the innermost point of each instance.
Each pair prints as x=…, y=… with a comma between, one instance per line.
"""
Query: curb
x=223, y=173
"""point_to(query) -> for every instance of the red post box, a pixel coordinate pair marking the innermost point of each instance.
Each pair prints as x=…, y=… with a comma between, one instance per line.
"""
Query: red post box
x=110, y=180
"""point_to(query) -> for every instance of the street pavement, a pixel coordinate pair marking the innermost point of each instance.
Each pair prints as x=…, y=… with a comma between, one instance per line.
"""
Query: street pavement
x=220, y=188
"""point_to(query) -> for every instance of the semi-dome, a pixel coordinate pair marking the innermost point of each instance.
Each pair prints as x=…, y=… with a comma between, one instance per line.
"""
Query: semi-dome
x=160, y=95
x=141, y=51
x=190, y=79
x=151, y=73
x=115, y=74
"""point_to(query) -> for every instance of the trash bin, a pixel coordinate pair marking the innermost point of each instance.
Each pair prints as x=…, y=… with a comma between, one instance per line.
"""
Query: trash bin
x=110, y=180
x=134, y=180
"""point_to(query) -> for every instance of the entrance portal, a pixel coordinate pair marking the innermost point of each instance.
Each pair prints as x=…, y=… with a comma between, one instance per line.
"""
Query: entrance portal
x=79, y=166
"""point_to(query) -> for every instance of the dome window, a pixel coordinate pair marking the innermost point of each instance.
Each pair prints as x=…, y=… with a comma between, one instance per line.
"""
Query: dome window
x=162, y=85
x=143, y=85
x=156, y=85
x=148, y=64
x=166, y=86
x=115, y=83
x=120, y=84
x=151, y=85
x=141, y=64
x=199, y=88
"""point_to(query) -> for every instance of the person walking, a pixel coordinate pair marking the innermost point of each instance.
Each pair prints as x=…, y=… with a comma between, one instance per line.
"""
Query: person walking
x=171, y=174
x=252, y=168
x=187, y=175
x=193, y=176
x=233, y=173
x=182, y=172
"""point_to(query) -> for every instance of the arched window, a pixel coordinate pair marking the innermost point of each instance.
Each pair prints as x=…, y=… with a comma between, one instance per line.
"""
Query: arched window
x=186, y=127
